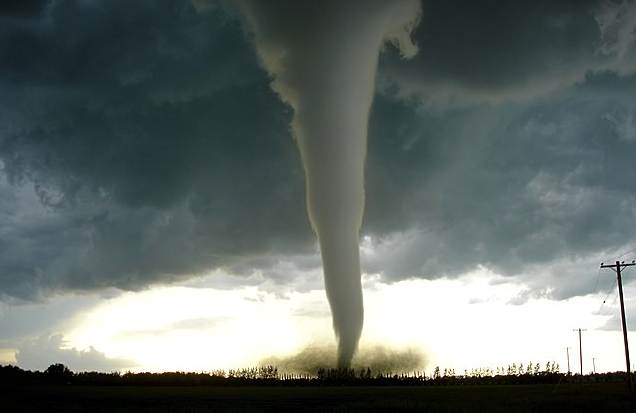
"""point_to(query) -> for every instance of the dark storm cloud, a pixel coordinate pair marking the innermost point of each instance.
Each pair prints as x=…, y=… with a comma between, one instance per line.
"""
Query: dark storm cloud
x=506, y=142
x=152, y=140
x=22, y=8
x=140, y=142
x=486, y=48
x=509, y=186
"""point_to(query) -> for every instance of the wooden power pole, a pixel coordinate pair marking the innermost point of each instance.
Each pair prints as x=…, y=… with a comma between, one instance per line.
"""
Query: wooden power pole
x=567, y=351
x=618, y=266
x=580, y=351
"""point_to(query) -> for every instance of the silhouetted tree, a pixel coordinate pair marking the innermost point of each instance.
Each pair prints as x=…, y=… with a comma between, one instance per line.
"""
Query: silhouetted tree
x=58, y=369
x=59, y=373
x=436, y=373
x=267, y=373
x=365, y=374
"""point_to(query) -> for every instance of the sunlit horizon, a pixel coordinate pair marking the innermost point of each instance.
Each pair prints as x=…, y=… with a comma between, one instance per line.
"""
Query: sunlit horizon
x=181, y=328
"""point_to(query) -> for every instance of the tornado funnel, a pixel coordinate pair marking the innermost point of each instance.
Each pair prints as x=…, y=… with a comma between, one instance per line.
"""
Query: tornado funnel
x=322, y=57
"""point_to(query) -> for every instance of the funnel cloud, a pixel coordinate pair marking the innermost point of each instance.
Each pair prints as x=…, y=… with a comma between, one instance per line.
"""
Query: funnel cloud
x=322, y=57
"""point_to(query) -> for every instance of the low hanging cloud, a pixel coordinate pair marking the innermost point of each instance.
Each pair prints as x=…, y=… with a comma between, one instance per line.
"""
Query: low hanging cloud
x=50, y=349
x=141, y=143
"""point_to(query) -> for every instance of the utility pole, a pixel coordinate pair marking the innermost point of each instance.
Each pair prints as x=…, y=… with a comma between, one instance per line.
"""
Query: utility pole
x=580, y=351
x=567, y=350
x=618, y=266
x=594, y=364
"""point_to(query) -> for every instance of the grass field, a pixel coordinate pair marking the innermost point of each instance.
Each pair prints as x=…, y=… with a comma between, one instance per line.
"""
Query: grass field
x=607, y=397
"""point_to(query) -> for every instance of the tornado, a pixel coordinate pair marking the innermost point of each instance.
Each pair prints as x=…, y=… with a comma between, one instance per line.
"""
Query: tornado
x=322, y=58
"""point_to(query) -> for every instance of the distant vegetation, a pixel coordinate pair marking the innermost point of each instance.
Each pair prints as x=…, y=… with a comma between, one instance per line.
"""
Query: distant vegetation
x=59, y=374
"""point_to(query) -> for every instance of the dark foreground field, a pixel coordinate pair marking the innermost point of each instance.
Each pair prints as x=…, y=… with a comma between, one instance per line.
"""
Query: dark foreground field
x=605, y=397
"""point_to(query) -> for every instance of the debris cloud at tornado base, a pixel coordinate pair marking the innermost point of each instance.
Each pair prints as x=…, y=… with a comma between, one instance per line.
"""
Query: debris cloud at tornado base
x=379, y=359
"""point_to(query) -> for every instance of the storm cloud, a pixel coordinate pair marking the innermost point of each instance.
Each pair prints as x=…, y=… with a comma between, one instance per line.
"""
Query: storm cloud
x=141, y=143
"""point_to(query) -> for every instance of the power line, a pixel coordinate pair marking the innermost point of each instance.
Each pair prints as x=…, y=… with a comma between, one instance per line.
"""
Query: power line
x=597, y=278
x=610, y=291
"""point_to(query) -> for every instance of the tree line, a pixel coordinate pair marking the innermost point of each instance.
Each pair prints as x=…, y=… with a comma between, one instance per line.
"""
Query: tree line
x=59, y=374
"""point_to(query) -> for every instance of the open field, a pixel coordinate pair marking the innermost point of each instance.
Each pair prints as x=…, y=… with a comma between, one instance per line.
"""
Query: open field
x=595, y=398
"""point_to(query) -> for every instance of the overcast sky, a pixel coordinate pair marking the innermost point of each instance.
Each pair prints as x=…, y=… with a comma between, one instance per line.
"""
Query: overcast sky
x=142, y=145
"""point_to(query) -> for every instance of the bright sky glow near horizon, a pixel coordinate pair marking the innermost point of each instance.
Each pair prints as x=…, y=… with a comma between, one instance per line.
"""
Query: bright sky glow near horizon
x=152, y=193
x=466, y=323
